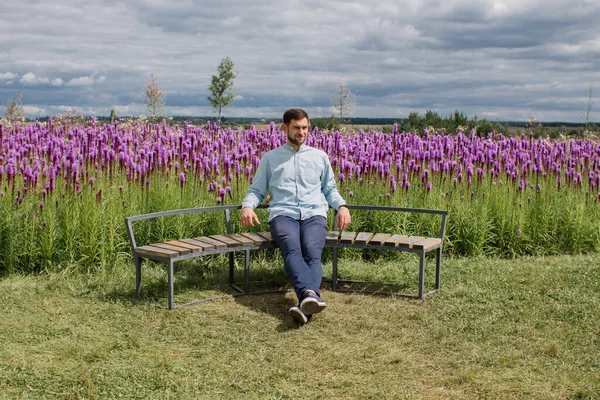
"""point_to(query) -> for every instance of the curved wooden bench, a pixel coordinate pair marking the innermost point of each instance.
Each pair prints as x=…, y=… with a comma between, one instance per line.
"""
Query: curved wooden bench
x=172, y=251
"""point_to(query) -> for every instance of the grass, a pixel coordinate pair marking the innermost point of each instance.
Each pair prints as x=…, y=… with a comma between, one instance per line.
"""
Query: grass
x=498, y=329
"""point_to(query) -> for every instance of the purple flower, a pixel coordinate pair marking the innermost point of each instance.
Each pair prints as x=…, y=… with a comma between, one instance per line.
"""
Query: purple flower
x=351, y=194
x=518, y=231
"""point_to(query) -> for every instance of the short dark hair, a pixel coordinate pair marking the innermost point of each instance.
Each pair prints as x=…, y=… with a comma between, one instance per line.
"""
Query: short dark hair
x=294, y=113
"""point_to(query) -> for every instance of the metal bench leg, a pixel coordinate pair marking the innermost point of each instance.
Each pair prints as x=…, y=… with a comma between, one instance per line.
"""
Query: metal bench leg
x=231, y=277
x=247, y=273
x=138, y=277
x=171, y=287
x=334, y=270
x=438, y=267
x=421, y=274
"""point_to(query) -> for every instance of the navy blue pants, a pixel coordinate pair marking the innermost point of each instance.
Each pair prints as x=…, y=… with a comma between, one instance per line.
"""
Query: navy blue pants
x=301, y=243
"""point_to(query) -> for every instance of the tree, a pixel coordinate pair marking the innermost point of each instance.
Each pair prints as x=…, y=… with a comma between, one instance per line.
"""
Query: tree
x=154, y=99
x=342, y=103
x=221, y=86
x=113, y=115
x=14, y=109
x=588, y=110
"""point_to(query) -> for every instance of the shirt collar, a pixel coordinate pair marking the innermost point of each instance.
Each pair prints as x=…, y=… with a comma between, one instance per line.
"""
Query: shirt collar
x=302, y=148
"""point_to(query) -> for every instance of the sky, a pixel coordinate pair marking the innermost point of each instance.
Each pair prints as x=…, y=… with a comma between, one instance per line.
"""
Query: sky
x=500, y=60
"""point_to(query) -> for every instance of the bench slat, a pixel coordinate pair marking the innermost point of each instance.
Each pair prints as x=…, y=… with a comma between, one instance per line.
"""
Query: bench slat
x=192, y=247
x=216, y=243
x=331, y=237
x=266, y=235
x=363, y=238
x=409, y=241
x=393, y=241
x=156, y=251
x=258, y=240
x=379, y=238
x=178, y=249
x=228, y=241
x=239, y=238
x=202, y=245
x=347, y=237
x=427, y=243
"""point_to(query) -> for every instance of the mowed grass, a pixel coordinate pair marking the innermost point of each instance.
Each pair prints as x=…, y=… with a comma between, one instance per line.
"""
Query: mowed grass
x=498, y=329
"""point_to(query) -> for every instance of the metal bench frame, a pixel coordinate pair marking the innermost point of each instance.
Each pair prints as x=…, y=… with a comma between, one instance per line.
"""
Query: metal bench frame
x=334, y=244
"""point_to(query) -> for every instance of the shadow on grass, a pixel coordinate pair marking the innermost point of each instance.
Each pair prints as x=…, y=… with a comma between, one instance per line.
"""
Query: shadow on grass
x=200, y=279
x=273, y=304
x=194, y=282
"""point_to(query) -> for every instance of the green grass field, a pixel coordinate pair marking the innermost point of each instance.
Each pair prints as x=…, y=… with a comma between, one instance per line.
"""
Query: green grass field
x=498, y=329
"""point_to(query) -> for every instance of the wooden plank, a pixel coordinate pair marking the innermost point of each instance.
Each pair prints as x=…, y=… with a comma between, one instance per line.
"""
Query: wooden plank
x=347, y=237
x=266, y=235
x=331, y=237
x=409, y=241
x=194, y=248
x=379, y=238
x=156, y=251
x=216, y=243
x=203, y=245
x=243, y=240
x=363, y=238
x=228, y=241
x=258, y=240
x=427, y=243
x=178, y=249
x=393, y=241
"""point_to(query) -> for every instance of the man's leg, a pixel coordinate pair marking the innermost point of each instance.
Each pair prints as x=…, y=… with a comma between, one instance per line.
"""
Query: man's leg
x=312, y=240
x=286, y=234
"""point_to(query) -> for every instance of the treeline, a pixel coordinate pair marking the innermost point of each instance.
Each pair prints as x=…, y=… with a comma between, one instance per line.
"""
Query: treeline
x=416, y=122
x=455, y=122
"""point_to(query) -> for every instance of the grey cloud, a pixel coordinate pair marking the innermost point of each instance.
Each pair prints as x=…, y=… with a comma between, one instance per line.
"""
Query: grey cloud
x=395, y=56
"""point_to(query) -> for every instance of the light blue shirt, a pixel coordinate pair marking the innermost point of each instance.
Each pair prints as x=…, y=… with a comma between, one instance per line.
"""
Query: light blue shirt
x=301, y=183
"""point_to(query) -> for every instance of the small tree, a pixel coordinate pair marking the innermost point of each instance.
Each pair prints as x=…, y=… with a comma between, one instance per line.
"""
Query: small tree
x=14, y=109
x=113, y=115
x=342, y=103
x=154, y=99
x=588, y=110
x=221, y=86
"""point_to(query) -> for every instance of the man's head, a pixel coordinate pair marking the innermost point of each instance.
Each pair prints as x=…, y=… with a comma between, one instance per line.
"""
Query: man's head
x=294, y=113
x=295, y=125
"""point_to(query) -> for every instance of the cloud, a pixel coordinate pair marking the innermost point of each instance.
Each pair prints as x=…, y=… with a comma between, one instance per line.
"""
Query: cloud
x=33, y=110
x=30, y=79
x=81, y=81
x=491, y=57
x=8, y=76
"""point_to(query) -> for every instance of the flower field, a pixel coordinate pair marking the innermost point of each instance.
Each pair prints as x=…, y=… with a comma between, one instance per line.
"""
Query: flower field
x=65, y=190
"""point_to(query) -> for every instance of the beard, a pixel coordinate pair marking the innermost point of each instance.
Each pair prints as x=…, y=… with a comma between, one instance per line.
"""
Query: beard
x=295, y=141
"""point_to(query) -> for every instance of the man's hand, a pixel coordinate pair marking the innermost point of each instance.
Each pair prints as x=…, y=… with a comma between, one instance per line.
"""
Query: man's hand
x=343, y=218
x=249, y=217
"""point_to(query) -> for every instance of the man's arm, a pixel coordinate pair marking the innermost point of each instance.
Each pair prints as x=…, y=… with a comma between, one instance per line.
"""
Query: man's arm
x=256, y=193
x=329, y=187
x=333, y=197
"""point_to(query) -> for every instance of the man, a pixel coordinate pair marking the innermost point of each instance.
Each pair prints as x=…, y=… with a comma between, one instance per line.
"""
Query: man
x=302, y=186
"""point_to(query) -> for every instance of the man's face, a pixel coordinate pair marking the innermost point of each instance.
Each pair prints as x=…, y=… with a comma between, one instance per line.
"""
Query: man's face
x=297, y=131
